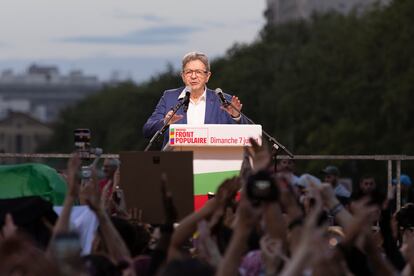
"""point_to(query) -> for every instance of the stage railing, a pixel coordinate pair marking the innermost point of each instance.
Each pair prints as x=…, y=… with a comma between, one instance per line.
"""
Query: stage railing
x=397, y=159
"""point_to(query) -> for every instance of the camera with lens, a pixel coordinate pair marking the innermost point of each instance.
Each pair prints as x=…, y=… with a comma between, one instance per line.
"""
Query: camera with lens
x=261, y=187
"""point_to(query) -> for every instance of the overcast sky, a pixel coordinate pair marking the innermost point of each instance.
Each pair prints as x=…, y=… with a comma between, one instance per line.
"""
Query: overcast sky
x=135, y=37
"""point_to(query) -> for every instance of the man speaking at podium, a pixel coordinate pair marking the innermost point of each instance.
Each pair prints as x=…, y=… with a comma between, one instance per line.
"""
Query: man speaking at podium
x=201, y=105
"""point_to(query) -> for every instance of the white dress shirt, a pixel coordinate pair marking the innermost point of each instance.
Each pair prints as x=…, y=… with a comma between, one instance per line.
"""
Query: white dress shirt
x=196, y=110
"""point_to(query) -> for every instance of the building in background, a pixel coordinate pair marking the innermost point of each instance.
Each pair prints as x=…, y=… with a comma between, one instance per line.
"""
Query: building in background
x=42, y=92
x=21, y=133
x=281, y=11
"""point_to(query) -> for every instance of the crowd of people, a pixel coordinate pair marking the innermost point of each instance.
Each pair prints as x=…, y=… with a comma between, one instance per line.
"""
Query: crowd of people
x=267, y=221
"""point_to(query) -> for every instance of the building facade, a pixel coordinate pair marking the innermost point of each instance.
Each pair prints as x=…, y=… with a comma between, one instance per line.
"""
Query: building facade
x=43, y=92
x=21, y=133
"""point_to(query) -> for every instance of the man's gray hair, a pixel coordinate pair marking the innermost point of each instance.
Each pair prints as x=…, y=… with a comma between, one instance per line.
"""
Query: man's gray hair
x=114, y=162
x=196, y=56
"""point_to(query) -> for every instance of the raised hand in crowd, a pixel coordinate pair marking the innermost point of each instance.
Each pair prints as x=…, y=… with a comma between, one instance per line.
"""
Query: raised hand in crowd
x=62, y=224
x=335, y=209
x=188, y=225
x=273, y=254
x=117, y=249
x=247, y=217
x=206, y=247
x=228, y=190
x=224, y=199
x=311, y=235
x=113, y=197
x=380, y=265
x=293, y=214
x=275, y=228
x=260, y=155
x=170, y=210
x=361, y=222
x=159, y=254
x=221, y=222
x=69, y=260
x=73, y=166
x=364, y=217
x=19, y=256
x=9, y=228
x=409, y=256
x=94, y=198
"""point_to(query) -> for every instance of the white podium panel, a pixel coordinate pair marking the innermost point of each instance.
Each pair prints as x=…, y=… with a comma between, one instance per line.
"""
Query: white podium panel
x=217, y=151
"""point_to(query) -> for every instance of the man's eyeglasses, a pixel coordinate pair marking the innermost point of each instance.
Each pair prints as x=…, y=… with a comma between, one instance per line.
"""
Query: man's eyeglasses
x=199, y=73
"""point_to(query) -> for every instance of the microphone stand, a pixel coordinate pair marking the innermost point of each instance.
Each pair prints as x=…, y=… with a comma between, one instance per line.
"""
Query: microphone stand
x=166, y=124
x=275, y=144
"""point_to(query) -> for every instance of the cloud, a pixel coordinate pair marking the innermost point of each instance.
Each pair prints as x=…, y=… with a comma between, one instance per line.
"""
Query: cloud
x=146, y=17
x=232, y=24
x=153, y=35
x=3, y=44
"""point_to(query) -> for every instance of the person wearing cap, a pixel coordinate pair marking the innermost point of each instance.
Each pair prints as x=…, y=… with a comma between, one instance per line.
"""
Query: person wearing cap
x=407, y=193
x=404, y=180
x=331, y=176
x=204, y=105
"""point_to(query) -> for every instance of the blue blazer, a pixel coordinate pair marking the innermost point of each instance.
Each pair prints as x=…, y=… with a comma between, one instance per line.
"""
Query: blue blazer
x=214, y=114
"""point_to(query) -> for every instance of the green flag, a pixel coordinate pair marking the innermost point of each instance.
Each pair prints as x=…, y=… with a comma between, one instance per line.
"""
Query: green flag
x=32, y=179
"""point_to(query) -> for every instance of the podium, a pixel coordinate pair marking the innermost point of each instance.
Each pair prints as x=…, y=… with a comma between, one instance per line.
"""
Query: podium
x=217, y=152
x=141, y=181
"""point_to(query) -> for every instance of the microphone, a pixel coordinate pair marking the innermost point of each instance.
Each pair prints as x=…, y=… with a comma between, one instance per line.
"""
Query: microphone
x=186, y=98
x=220, y=94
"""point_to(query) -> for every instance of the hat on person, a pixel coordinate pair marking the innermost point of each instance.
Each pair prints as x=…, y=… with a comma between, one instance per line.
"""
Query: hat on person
x=404, y=179
x=330, y=170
